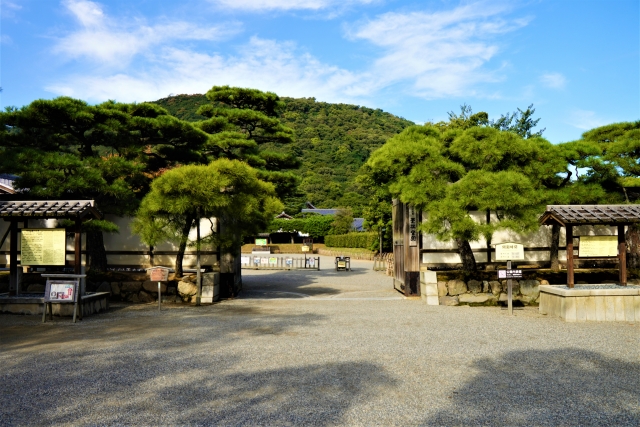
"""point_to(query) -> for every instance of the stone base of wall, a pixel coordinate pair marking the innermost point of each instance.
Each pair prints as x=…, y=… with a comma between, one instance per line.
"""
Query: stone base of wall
x=91, y=304
x=589, y=303
x=183, y=290
x=477, y=292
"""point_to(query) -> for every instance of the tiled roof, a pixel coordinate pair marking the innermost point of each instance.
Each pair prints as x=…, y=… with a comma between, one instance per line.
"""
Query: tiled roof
x=591, y=214
x=48, y=209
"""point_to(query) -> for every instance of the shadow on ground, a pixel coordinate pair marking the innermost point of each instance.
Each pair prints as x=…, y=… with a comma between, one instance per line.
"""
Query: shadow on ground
x=559, y=387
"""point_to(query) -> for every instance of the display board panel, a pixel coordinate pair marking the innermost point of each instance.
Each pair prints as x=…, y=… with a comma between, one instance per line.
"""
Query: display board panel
x=509, y=251
x=43, y=246
x=598, y=246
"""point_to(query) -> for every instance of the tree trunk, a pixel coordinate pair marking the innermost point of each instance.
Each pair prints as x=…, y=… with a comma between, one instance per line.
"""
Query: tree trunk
x=183, y=245
x=554, y=247
x=466, y=255
x=633, y=243
x=96, y=254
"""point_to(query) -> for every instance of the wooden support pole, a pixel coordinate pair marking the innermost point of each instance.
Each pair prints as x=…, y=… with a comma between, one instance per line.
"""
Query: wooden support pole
x=570, y=282
x=622, y=255
x=78, y=247
x=13, y=258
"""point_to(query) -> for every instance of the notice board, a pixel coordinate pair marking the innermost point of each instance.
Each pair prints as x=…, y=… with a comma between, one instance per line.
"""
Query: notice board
x=598, y=246
x=43, y=246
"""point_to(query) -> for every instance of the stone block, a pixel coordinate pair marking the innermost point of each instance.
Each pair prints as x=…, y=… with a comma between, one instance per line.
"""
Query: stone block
x=115, y=288
x=133, y=298
x=131, y=287
x=144, y=297
x=186, y=289
x=152, y=287
x=478, y=299
x=474, y=286
x=456, y=287
x=171, y=290
x=496, y=287
x=170, y=298
x=442, y=288
x=449, y=301
x=210, y=279
x=503, y=297
x=544, y=282
x=530, y=288
x=485, y=287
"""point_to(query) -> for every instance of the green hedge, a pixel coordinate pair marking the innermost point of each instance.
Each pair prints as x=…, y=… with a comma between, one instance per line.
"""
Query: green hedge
x=351, y=240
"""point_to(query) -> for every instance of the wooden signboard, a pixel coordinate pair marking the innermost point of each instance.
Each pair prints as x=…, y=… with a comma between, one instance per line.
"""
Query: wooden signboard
x=598, y=246
x=43, y=246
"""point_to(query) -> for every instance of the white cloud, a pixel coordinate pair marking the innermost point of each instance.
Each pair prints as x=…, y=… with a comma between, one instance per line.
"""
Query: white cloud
x=585, y=119
x=260, y=5
x=9, y=8
x=114, y=43
x=553, y=80
x=426, y=55
x=262, y=64
x=440, y=53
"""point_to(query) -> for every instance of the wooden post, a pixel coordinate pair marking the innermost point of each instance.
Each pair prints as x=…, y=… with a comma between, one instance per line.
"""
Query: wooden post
x=77, y=256
x=622, y=255
x=569, y=247
x=13, y=258
x=489, y=239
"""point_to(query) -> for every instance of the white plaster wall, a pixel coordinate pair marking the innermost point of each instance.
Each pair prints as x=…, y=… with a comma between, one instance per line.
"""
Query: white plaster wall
x=540, y=238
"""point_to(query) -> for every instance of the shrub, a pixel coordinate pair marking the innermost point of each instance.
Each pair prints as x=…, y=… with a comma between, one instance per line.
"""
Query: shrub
x=351, y=240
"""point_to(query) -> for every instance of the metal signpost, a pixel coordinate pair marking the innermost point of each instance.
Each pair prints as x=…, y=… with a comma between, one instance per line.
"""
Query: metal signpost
x=159, y=274
x=509, y=252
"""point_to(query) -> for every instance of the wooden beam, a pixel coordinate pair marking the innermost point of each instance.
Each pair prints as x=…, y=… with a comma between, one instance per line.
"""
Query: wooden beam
x=570, y=281
x=622, y=254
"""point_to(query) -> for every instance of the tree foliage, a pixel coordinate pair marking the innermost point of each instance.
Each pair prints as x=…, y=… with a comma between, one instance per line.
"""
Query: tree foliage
x=448, y=172
x=332, y=142
x=228, y=190
x=65, y=148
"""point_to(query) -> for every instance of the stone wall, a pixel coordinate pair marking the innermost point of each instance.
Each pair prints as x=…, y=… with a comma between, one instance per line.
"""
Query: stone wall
x=183, y=290
x=488, y=292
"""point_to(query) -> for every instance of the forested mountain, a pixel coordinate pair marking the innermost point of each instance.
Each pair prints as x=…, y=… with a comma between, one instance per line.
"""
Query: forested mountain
x=332, y=141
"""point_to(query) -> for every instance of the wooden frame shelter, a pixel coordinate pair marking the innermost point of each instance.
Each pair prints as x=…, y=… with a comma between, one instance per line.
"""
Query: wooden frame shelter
x=569, y=216
x=16, y=211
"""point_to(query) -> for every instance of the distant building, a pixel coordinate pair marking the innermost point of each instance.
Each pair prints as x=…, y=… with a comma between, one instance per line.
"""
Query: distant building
x=356, y=225
x=6, y=183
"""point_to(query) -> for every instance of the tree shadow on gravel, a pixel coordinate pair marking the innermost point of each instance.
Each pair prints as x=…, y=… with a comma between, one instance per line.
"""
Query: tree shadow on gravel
x=318, y=394
x=567, y=387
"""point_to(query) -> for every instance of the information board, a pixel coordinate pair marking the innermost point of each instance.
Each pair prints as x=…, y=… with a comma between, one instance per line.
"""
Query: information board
x=598, y=246
x=509, y=252
x=261, y=242
x=43, y=246
x=159, y=274
x=61, y=291
x=510, y=274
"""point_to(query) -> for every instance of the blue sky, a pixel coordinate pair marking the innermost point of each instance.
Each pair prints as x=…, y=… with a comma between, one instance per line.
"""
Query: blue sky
x=577, y=61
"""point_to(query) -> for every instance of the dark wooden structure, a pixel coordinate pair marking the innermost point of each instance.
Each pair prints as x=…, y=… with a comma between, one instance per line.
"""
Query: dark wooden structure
x=406, y=249
x=570, y=216
x=16, y=211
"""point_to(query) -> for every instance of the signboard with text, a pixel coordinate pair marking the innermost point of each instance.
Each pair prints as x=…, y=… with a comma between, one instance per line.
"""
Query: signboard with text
x=413, y=227
x=158, y=274
x=261, y=242
x=509, y=252
x=510, y=274
x=61, y=291
x=598, y=246
x=43, y=246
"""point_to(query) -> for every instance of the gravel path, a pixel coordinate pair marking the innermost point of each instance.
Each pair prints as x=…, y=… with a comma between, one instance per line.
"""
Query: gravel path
x=318, y=348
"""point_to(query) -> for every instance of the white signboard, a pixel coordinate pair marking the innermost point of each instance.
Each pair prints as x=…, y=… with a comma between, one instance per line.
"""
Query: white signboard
x=509, y=252
x=244, y=260
x=598, y=246
x=60, y=291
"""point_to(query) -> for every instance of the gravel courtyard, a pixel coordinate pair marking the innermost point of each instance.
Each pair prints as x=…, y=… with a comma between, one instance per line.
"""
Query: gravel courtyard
x=318, y=348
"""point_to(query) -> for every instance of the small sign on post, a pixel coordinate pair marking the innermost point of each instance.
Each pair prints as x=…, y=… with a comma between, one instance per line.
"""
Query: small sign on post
x=509, y=252
x=158, y=274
